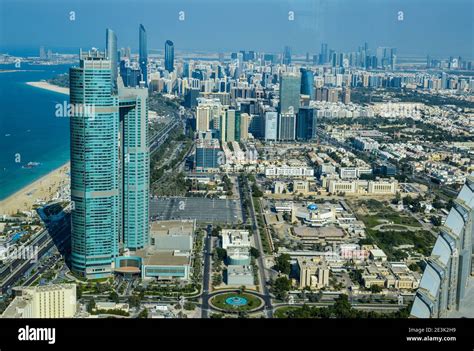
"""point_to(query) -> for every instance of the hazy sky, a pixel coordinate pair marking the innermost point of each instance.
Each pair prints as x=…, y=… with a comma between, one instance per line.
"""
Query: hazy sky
x=436, y=27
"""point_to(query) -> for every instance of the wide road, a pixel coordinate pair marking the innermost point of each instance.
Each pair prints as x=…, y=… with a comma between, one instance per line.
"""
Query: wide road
x=38, y=240
x=159, y=138
x=261, y=265
x=60, y=238
x=206, y=275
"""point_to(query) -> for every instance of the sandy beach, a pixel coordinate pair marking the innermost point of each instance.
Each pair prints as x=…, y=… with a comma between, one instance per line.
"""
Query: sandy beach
x=43, y=189
x=51, y=87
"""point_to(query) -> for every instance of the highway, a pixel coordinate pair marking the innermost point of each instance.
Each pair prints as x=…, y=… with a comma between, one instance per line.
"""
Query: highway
x=159, y=138
x=60, y=238
x=38, y=240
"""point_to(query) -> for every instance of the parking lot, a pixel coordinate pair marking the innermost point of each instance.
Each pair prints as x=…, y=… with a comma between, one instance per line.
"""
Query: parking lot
x=202, y=209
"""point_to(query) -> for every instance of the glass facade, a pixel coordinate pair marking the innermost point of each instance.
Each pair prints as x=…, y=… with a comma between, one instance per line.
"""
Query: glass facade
x=169, y=56
x=135, y=163
x=94, y=167
x=307, y=78
x=143, y=53
x=112, y=54
x=286, y=127
x=207, y=157
x=290, y=85
x=109, y=167
x=306, y=124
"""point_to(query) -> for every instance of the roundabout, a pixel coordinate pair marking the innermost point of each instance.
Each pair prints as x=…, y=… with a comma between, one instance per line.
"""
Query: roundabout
x=236, y=301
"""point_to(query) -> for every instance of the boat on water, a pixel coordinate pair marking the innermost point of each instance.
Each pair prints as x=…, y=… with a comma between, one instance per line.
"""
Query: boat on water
x=31, y=165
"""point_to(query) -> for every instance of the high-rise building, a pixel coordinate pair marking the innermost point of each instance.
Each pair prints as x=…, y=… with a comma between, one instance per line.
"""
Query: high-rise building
x=143, y=53
x=42, y=53
x=386, y=57
x=286, y=126
x=244, y=126
x=47, y=301
x=346, y=96
x=135, y=166
x=203, y=118
x=131, y=77
x=111, y=53
x=307, y=87
x=232, y=127
x=287, y=55
x=109, y=166
x=125, y=53
x=306, y=124
x=94, y=167
x=208, y=112
x=207, y=153
x=169, y=56
x=323, y=56
x=443, y=290
x=290, y=85
x=271, y=126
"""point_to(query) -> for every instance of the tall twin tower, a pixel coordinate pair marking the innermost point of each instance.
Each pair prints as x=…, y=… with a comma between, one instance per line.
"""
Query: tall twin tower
x=109, y=162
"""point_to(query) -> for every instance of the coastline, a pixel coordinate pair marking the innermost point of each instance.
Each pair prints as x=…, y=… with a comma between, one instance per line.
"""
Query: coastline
x=50, y=87
x=42, y=189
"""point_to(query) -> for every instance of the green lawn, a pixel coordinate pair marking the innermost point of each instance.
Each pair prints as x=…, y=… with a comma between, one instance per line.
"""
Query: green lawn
x=219, y=302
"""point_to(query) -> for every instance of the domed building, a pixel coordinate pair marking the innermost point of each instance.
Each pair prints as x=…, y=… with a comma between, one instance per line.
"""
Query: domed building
x=314, y=216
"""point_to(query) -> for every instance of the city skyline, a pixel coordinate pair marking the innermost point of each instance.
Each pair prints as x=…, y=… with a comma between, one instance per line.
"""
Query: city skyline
x=417, y=33
x=238, y=159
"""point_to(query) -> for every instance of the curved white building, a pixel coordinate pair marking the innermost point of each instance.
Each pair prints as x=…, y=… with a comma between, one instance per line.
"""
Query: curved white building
x=450, y=267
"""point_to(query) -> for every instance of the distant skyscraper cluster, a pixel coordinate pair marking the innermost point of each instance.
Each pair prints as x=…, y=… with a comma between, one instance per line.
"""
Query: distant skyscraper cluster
x=45, y=54
x=384, y=58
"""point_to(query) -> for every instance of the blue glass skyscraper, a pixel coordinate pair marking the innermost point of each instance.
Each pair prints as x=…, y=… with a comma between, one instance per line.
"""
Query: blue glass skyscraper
x=109, y=167
x=287, y=55
x=94, y=167
x=135, y=166
x=169, y=56
x=306, y=124
x=307, y=78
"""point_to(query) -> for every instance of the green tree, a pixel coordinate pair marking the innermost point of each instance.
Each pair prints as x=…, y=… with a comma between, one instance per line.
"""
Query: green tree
x=280, y=287
x=254, y=252
x=221, y=253
x=189, y=306
x=143, y=313
x=134, y=301
x=91, y=305
x=114, y=297
x=436, y=220
x=282, y=264
x=375, y=289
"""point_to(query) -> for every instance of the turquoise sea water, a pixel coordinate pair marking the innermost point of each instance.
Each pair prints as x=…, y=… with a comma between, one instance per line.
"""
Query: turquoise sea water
x=29, y=127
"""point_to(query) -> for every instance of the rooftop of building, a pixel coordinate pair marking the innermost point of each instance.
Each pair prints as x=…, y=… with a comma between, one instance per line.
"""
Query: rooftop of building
x=172, y=227
x=152, y=257
x=239, y=270
x=41, y=288
x=15, y=308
